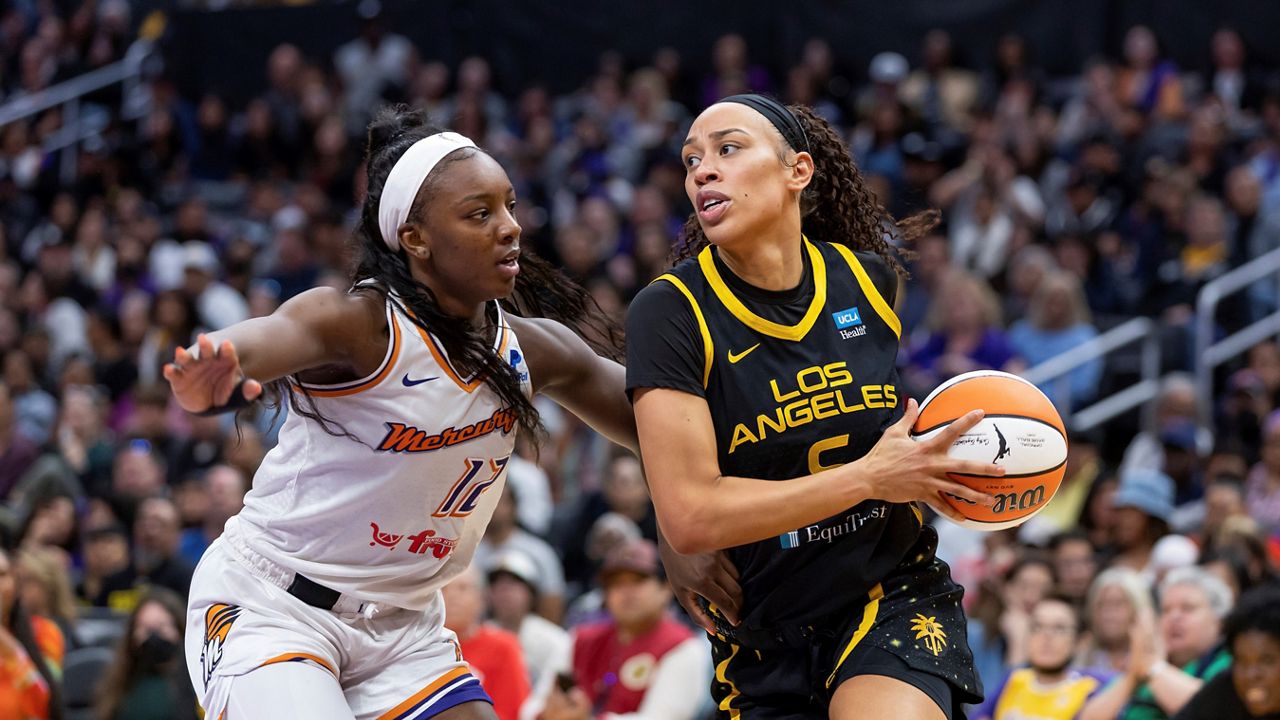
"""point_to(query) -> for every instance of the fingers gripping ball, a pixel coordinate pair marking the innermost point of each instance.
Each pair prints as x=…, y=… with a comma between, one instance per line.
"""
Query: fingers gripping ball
x=1020, y=430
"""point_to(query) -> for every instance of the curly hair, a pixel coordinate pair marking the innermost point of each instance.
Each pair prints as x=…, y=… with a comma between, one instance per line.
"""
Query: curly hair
x=836, y=206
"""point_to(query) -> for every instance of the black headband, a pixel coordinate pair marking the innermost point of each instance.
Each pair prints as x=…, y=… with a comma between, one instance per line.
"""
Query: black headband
x=778, y=115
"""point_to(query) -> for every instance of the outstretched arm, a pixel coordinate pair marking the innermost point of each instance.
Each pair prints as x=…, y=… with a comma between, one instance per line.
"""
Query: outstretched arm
x=319, y=327
x=564, y=368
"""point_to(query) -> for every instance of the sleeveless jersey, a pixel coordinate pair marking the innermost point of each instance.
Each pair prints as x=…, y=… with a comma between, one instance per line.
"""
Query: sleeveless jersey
x=791, y=400
x=394, y=514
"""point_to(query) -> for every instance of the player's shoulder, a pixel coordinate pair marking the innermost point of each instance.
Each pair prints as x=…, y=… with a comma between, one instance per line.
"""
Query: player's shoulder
x=671, y=295
x=362, y=304
x=687, y=273
x=883, y=276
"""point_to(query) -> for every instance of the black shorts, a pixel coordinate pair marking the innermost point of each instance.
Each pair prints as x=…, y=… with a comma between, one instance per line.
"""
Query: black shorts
x=911, y=628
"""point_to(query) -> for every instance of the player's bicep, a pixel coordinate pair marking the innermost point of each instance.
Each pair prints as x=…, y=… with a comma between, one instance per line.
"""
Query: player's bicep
x=305, y=332
x=564, y=368
x=678, y=444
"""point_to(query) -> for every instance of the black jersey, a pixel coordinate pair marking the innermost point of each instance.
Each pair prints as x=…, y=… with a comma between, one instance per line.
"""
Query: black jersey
x=796, y=382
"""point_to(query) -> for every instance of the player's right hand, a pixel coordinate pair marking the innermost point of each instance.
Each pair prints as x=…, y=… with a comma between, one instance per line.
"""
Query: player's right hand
x=711, y=576
x=205, y=378
x=899, y=469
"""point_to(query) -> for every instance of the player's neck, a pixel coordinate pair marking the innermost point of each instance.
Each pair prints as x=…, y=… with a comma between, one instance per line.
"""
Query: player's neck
x=772, y=259
x=448, y=301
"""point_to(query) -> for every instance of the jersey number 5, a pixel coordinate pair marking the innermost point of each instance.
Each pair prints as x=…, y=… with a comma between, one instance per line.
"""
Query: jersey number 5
x=466, y=492
x=816, y=465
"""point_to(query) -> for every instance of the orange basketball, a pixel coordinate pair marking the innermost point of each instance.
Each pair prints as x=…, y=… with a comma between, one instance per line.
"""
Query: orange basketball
x=1021, y=430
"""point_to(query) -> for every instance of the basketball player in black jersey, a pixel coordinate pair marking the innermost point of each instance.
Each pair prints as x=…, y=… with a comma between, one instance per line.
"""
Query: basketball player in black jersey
x=768, y=355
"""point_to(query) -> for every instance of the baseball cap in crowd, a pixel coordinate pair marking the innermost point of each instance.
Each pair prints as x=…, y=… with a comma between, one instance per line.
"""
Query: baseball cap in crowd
x=197, y=255
x=635, y=556
x=518, y=565
x=1150, y=491
x=889, y=68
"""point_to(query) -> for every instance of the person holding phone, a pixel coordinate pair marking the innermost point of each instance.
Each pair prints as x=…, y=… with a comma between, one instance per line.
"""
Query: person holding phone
x=640, y=663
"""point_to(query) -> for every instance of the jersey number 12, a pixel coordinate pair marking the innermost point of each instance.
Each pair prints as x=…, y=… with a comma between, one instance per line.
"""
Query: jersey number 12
x=466, y=492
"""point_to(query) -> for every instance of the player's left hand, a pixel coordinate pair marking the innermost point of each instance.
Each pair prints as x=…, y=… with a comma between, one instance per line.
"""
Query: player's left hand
x=711, y=576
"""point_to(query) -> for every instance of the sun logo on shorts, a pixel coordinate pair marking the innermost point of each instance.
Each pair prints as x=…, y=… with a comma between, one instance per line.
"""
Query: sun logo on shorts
x=928, y=628
x=217, y=624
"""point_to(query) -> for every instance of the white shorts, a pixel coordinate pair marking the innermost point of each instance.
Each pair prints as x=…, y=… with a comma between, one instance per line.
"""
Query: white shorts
x=390, y=663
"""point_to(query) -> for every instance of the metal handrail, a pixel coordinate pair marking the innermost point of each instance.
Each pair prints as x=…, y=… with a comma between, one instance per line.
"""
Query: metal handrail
x=127, y=71
x=63, y=92
x=1057, y=371
x=1210, y=354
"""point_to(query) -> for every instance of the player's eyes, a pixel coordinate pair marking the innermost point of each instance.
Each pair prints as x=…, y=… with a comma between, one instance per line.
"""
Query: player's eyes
x=692, y=161
x=728, y=148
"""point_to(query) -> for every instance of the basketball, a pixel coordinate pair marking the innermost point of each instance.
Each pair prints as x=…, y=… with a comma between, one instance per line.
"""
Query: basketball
x=1020, y=430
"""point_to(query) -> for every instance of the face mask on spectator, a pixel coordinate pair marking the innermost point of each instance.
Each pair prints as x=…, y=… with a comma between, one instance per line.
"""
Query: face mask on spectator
x=155, y=651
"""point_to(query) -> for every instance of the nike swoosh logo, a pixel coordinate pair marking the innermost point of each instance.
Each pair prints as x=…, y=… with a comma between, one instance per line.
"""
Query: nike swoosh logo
x=410, y=383
x=735, y=358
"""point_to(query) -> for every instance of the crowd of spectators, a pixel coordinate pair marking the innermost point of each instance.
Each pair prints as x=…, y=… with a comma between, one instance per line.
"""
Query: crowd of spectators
x=1069, y=204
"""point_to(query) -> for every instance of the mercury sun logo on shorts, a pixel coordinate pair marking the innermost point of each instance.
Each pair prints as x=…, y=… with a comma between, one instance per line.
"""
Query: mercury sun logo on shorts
x=217, y=625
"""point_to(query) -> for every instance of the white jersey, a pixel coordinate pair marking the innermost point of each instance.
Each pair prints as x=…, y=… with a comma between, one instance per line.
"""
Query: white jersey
x=394, y=516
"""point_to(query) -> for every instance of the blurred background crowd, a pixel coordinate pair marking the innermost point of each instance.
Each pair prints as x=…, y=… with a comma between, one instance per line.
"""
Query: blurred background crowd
x=1070, y=204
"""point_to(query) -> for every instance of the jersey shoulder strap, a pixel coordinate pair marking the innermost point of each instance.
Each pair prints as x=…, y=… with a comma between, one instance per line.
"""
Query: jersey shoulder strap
x=677, y=277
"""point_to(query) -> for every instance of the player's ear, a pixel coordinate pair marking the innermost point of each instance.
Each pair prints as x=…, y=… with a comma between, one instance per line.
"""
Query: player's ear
x=801, y=171
x=415, y=240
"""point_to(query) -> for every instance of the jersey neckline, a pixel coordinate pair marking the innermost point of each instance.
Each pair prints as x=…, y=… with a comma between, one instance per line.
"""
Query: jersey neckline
x=731, y=302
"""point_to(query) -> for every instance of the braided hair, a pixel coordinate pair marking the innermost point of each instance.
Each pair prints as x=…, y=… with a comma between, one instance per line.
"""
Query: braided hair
x=836, y=206
x=541, y=289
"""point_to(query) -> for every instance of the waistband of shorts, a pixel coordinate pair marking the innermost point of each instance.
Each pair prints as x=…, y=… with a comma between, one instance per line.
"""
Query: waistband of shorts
x=283, y=578
x=776, y=638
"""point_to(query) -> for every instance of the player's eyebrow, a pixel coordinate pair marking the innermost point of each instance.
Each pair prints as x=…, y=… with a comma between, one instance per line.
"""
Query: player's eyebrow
x=715, y=135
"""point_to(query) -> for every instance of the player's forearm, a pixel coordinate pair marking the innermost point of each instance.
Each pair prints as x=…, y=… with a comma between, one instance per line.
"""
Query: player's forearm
x=732, y=511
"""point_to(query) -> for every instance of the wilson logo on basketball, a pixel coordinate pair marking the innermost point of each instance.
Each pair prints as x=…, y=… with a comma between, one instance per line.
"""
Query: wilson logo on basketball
x=405, y=438
x=1010, y=502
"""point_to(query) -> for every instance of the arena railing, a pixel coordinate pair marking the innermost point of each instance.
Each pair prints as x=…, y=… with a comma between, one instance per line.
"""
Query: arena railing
x=1056, y=372
x=1210, y=352
x=80, y=123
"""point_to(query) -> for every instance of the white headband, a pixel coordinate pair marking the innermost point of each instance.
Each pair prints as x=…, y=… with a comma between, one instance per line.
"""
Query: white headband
x=406, y=178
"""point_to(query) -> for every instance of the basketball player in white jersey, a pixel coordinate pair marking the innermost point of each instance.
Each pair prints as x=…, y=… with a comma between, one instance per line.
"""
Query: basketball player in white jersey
x=321, y=599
